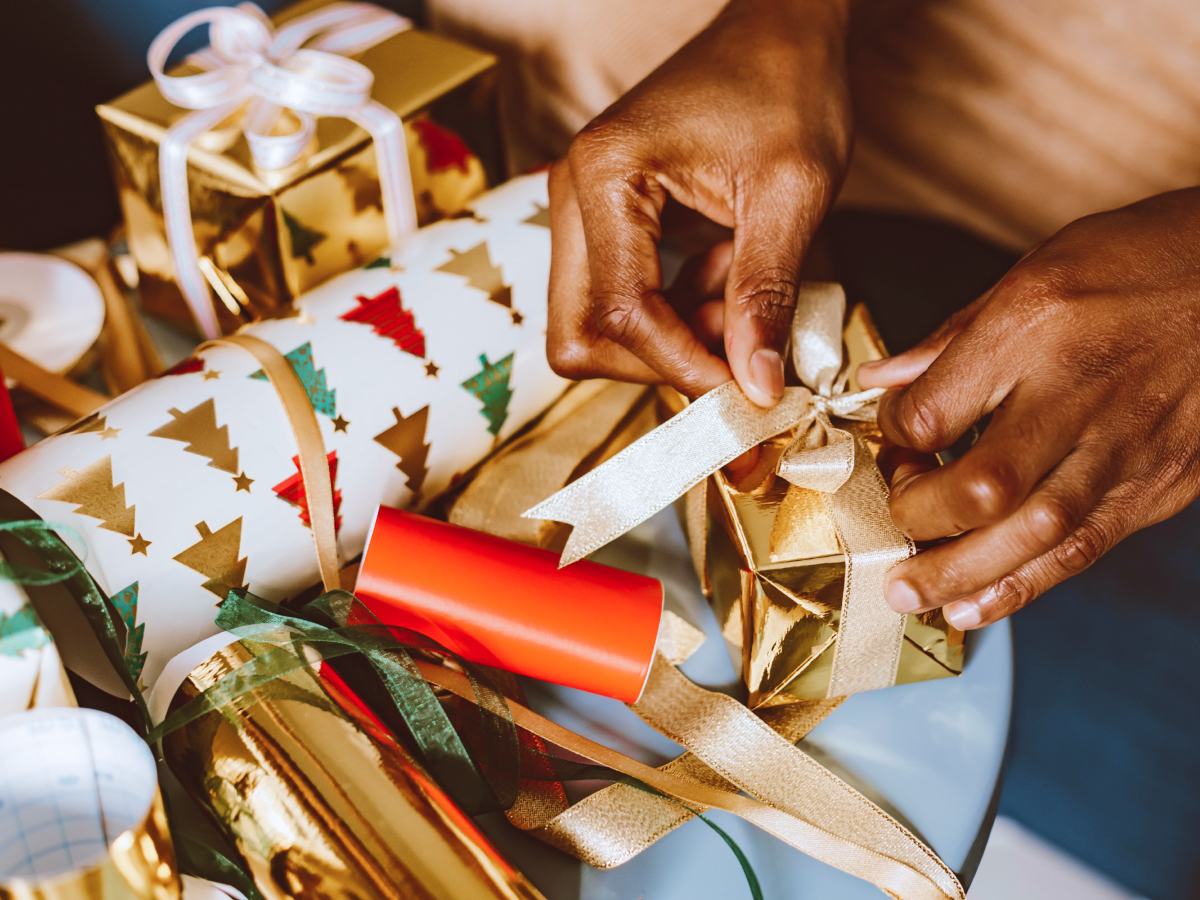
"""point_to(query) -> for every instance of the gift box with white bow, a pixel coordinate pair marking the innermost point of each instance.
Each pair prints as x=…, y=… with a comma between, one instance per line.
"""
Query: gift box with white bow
x=276, y=158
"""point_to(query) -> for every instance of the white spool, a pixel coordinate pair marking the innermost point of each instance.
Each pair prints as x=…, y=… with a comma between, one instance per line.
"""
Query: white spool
x=51, y=311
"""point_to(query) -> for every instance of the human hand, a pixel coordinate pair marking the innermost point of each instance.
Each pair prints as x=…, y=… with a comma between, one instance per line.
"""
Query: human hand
x=749, y=124
x=1088, y=355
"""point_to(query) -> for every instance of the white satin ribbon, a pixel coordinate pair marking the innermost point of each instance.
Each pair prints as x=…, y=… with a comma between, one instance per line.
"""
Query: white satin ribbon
x=299, y=67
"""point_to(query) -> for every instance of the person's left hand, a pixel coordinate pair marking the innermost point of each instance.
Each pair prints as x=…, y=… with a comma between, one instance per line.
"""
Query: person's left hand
x=1088, y=355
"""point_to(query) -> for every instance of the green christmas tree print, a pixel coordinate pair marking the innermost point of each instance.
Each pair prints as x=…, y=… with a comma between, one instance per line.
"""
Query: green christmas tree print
x=125, y=602
x=21, y=631
x=304, y=239
x=323, y=399
x=491, y=387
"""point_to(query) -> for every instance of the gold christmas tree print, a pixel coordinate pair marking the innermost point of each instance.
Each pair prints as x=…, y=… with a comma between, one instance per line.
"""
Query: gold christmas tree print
x=476, y=266
x=93, y=424
x=197, y=428
x=406, y=439
x=540, y=217
x=125, y=602
x=215, y=556
x=93, y=493
x=491, y=386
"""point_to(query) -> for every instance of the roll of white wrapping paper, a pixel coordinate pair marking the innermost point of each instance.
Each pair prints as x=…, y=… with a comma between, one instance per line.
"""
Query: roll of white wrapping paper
x=80, y=814
x=417, y=365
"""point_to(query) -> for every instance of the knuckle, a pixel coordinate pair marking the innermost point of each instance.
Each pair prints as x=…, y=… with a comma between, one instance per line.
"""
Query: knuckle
x=1051, y=521
x=1080, y=550
x=768, y=294
x=921, y=423
x=990, y=490
x=1012, y=592
x=618, y=319
x=571, y=359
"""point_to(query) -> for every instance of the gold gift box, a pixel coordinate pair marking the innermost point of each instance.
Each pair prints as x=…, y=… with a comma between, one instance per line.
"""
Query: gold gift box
x=776, y=571
x=271, y=235
x=322, y=802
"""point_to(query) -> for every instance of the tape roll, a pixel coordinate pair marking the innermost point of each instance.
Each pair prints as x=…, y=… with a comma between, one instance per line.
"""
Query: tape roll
x=80, y=813
x=51, y=311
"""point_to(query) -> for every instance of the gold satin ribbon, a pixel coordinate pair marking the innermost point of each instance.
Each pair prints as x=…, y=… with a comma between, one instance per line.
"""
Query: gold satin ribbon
x=731, y=749
x=895, y=861
x=314, y=466
x=722, y=425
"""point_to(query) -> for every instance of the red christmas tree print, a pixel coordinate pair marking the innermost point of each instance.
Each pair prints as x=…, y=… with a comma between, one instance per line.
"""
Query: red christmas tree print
x=443, y=148
x=388, y=318
x=292, y=490
x=188, y=366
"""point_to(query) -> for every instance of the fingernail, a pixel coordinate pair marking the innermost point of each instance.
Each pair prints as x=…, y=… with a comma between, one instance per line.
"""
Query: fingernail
x=963, y=615
x=901, y=597
x=766, y=377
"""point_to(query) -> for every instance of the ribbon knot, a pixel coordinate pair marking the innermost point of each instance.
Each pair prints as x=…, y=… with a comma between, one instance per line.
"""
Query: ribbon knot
x=300, y=67
x=659, y=468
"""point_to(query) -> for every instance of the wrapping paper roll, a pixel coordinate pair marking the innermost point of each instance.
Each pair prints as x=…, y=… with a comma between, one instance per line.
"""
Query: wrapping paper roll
x=417, y=366
x=503, y=604
x=81, y=817
x=322, y=802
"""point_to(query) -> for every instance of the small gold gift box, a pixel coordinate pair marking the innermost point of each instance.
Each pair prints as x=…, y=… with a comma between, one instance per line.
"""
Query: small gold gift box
x=271, y=235
x=776, y=571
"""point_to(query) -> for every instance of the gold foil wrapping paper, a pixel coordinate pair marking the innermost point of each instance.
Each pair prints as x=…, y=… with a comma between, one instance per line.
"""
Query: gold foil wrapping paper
x=322, y=803
x=271, y=235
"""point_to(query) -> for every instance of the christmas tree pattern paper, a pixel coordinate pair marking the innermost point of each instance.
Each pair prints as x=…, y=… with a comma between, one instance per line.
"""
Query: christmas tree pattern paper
x=187, y=486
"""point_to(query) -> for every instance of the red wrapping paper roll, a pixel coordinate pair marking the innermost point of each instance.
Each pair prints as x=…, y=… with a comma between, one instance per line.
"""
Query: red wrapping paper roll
x=503, y=604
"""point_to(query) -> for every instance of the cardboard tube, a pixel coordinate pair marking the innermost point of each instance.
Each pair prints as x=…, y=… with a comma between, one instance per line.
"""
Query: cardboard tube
x=504, y=604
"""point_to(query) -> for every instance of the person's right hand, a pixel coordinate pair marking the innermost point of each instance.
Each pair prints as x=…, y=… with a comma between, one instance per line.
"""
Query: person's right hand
x=750, y=125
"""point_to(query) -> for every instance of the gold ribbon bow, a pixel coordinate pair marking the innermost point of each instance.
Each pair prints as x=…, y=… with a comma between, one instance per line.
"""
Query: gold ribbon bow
x=722, y=425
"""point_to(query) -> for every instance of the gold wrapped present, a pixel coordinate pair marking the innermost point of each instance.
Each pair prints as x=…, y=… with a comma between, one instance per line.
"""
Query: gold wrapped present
x=772, y=529
x=271, y=234
x=777, y=572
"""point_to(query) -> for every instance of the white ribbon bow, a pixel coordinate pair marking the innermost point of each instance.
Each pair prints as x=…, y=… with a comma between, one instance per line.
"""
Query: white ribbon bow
x=248, y=61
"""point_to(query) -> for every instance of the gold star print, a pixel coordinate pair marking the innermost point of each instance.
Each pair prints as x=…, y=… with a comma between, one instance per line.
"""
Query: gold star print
x=138, y=545
x=431, y=370
x=243, y=483
x=517, y=318
x=109, y=433
x=339, y=424
x=212, y=374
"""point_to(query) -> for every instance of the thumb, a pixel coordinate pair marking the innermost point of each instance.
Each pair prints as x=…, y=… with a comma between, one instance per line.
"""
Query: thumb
x=771, y=236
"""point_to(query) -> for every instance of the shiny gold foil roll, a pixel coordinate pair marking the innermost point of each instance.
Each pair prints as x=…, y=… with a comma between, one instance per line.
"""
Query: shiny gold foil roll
x=322, y=802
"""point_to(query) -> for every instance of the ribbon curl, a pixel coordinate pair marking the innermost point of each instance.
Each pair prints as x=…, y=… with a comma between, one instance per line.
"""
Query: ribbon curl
x=722, y=425
x=250, y=62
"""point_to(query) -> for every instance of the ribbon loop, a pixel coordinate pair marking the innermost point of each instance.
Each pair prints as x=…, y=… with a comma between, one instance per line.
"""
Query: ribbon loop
x=248, y=62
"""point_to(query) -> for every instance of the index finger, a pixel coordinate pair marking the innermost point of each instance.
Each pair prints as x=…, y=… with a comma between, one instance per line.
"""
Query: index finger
x=621, y=205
